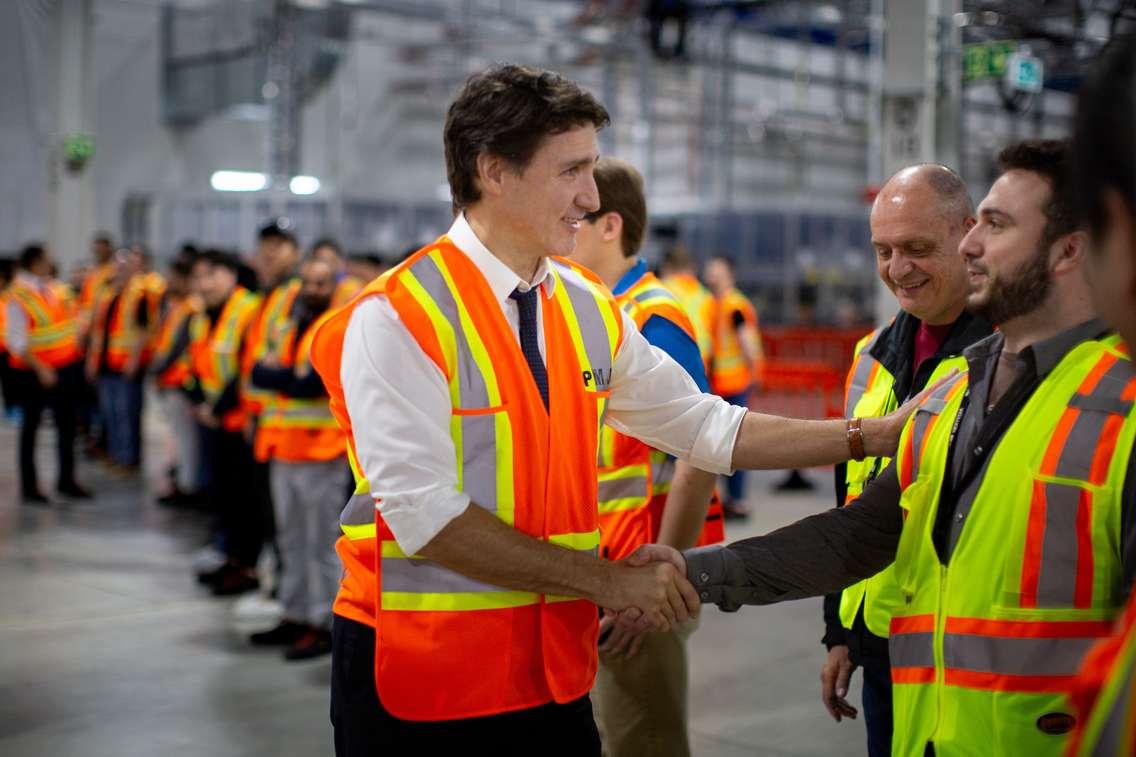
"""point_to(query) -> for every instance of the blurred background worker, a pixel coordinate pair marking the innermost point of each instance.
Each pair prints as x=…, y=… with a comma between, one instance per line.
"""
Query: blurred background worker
x=1104, y=186
x=736, y=357
x=172, y=368
x=42, y=338
x=640, y=694
x=917, y=221
x=346, y=285
x=99, y=275
x=1005, y=509
x=309, y=472
x=365, y=266
x=680, y=277
x=229, y=312
x=118, y=351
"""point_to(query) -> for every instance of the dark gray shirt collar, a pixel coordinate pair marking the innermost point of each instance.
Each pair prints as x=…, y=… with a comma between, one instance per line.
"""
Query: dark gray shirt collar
x=1043, y=356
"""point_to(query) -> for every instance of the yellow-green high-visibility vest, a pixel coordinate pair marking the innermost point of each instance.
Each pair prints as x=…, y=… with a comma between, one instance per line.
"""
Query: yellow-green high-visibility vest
x=984, y=649
x=870, y=393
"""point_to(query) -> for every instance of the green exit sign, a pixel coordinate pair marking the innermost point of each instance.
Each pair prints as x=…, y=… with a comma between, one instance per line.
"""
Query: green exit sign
x=78, y=148
x=986, y=60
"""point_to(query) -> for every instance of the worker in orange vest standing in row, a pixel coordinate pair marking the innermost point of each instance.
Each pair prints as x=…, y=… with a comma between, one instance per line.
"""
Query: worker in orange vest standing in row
x=644, y=494
x=736, y=359
x=42, y=336
x=95, y=280
x=680, y=276
x=229, y=311
x=472, y=380
x=346, y=285
x=172, y=368
x=119, y=349
x=308, y=469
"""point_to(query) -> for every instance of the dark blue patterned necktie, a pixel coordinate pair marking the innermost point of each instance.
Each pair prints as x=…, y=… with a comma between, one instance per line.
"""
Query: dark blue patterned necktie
x=526, y=304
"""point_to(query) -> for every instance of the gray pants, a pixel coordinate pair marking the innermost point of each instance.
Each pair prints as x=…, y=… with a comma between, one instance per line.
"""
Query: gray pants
x=183, y=428
x=307, y=499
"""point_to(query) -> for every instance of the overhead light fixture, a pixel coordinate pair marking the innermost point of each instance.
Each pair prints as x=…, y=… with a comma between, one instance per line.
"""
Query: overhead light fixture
x=238, y=181
x=304, y=185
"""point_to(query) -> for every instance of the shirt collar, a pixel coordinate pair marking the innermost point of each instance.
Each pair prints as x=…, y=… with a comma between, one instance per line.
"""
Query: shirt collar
x=502, y=281
x=628, y=279
x=1046, y=354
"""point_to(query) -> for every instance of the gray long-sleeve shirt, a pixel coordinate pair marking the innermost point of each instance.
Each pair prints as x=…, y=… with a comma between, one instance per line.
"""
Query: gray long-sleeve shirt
x=834, y=549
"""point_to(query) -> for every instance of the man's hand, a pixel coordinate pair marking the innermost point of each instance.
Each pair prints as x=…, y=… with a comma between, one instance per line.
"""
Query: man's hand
x=46, y=375
x=652, y=582
x=616, y=638
x=205, y=417
x=881, y=435
x=834, y=677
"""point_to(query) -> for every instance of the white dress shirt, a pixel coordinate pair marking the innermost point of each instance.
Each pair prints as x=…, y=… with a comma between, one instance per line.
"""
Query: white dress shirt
x=400, y=408
x=16, y=324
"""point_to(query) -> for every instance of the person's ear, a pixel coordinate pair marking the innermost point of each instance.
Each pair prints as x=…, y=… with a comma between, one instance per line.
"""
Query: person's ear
x=1068, y=252
x=612, y=227
x=491, y=170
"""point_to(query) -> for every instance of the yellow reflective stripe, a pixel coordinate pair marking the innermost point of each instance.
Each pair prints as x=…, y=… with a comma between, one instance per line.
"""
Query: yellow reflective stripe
x=471, y=600
x=579, y=541
x=619, y=505
x=362, y=485
x=642, y=470
x=663, y=487
x=357, y=533
x=442, y=329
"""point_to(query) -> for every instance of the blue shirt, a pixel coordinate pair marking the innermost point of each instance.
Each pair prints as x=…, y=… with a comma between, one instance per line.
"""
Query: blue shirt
x=661, y=333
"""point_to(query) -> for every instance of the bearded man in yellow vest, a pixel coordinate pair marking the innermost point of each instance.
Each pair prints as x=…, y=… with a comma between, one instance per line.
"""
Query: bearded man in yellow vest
x=472, y=380
x=1006, y=506
x=917, y=221
x=307, y=456
x=1104, y=184
x=644, y=495
x=41, y=332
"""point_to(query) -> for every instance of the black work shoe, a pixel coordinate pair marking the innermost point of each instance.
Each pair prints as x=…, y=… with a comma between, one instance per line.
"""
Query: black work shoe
x=74, y=491
x=315, y=643
x=731, y=511
x=287, y=633
x=795, y=482
x=35, y=497
x=235, y=581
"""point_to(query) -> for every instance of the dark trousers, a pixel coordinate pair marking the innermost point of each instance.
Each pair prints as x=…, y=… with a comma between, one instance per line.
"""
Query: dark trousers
x=60, y=399
x=876, y=697
x=239, y=495
x=363, y=728
x=120, y=400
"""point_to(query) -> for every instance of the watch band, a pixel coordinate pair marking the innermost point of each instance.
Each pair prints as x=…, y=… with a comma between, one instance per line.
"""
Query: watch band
x=855, y=433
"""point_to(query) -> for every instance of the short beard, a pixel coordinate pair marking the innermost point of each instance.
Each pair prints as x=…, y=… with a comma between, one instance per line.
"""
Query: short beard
x=1019, y=294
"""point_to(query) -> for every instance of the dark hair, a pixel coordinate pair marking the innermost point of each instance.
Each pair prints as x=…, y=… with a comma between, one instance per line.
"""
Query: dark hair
x=727, y=259
x=621, y=191
x=221, y=258
x=275, y=231
x=1048, y=158
x=1103, y=156
x=105, y=238
x=328, y=242
x=509, y=110
x=32, y=253
x=677, y=258
x=181, y=267
x=372, y=258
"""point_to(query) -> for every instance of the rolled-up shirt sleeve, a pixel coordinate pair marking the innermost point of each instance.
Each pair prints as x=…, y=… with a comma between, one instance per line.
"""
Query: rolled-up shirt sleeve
x=655, y=400
x=400, y=410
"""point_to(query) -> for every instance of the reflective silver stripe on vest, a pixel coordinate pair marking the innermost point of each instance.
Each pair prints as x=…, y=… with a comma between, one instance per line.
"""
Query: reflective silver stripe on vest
x=593, y=330
x=470, y=381
x=1114, y=732
x=423, y=576
x=912, y=650
x=1095, y=409
x=654, y=293
x=622, y=488
x=662, y=471
x=859, y=383
x=931, y=407
x=1057, y=575
x=359, y=511
x=1015, y=656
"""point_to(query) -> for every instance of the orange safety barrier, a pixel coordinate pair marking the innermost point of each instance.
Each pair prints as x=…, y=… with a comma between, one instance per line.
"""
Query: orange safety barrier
x=804, y=370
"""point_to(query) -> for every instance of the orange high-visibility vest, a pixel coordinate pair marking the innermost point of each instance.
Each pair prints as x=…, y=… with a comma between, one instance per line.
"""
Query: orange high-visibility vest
x=299, y=430
x=1104, y=694
x=53, y=335
x=348, y=287
x=634, y=479
x=448, y=646
x=263, y=337
x=216, y=356
x=730, y=372
x=124, y=336
x=698, y=303
x=96, y=280
x=179, y=316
